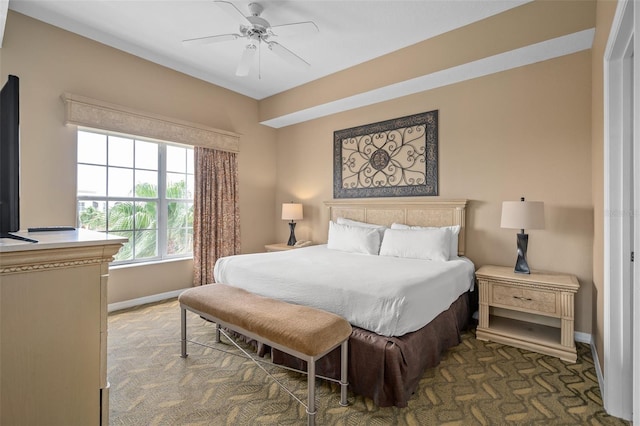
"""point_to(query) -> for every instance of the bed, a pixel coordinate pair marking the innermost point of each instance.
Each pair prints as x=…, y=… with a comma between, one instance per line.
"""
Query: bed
x=398, y=333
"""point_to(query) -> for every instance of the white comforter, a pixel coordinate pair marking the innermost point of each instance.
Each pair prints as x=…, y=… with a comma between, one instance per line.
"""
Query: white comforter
x=388, y=295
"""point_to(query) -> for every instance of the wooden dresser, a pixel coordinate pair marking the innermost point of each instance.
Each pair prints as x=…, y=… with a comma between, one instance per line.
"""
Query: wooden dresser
x=530, y=311
x=53, y=328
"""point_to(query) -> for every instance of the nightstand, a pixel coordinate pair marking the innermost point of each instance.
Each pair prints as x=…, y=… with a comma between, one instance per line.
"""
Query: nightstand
x=529, y=311
x=278, y=247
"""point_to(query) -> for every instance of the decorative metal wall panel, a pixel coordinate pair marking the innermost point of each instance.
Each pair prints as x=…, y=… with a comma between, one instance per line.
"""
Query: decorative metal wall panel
x=393, y=158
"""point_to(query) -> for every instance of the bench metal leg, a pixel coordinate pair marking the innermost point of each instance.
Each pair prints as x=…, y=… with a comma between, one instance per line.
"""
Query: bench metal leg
x=311, y=392
x=183, y=332
x=344, y=359
x=217, y=333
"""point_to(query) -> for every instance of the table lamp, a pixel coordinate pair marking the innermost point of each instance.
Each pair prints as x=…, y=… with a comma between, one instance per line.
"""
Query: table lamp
x=292, y=211
x=522, y=215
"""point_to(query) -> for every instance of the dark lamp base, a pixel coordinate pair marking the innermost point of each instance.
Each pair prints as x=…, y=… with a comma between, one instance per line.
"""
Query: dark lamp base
x=292, y=236
x=522, y=267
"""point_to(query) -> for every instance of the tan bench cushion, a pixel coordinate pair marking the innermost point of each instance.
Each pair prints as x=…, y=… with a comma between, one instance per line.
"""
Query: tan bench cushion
x=304, y=329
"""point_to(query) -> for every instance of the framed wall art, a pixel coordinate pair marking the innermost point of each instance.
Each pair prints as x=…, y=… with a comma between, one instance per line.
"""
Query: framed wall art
x=393, y=158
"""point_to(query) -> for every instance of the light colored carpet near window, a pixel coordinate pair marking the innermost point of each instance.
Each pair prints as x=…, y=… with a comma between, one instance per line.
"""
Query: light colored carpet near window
x=477, y=383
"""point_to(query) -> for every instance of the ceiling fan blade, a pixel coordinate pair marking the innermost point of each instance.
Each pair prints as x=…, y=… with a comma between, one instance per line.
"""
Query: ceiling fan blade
x=233, y=12
x=212, y=39
x=286, y=54
x=246, y=60
x=295, y=29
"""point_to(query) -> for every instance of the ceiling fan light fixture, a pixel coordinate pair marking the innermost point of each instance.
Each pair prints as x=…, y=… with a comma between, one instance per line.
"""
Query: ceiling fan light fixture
x=246, y=59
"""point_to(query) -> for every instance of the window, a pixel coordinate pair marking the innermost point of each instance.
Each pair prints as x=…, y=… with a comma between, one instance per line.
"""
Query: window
x=139, y=189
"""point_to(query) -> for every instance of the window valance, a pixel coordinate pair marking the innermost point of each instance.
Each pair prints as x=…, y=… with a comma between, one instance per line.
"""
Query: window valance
x=87, y=112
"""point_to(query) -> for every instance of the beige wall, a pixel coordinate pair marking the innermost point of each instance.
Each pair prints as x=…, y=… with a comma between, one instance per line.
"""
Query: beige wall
x=50, y=61
x=604, y=17
x=523, y=132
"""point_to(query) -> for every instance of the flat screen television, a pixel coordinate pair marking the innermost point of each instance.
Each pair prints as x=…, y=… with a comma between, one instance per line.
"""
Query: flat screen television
x=10, y=159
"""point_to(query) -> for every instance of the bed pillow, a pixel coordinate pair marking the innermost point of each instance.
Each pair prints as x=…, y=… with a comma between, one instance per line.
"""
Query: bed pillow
x=428, y=244
x=345, y=221
x=353, y=239
x=455, y=231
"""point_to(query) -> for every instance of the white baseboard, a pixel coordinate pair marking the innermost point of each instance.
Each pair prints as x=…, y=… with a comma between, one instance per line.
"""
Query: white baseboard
x=588, y=339
x=596, y=363
x=583, y=337
x=117, y=306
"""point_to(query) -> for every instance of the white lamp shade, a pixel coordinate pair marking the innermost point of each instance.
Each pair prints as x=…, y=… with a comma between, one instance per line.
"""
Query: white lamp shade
x=291, y=211
x=522, y=215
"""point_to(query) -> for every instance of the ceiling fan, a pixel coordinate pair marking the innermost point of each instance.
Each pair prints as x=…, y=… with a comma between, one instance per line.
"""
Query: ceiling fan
x=257, y=31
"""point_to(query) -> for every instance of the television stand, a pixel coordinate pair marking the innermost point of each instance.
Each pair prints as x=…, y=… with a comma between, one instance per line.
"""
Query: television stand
x=53, y=317
x=17, y=237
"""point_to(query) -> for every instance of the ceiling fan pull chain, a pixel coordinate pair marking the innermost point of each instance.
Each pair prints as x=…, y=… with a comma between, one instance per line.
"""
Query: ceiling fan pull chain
x=259, y=61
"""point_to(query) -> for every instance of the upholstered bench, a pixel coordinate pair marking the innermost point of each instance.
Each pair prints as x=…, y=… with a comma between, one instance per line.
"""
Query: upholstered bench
x=304, y=332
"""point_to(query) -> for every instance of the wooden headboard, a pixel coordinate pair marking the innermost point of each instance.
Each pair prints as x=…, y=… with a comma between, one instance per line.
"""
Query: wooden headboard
x=410, y=212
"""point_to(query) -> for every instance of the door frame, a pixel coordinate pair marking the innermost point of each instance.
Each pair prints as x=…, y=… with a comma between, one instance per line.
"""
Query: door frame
x=621, y=338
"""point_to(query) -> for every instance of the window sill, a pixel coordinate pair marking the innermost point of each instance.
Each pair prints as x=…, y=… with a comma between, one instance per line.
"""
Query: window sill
x=150, y=263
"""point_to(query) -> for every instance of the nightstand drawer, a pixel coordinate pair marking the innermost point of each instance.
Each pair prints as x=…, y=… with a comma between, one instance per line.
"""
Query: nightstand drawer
x=532, y=300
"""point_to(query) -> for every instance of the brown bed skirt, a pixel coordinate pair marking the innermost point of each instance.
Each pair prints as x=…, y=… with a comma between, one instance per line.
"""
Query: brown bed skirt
x=388, y=369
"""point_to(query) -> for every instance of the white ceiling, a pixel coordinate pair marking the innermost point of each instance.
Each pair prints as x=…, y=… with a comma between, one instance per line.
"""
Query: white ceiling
x=351, y=32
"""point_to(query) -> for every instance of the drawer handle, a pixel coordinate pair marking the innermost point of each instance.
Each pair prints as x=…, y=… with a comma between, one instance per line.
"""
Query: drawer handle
x=526, y=299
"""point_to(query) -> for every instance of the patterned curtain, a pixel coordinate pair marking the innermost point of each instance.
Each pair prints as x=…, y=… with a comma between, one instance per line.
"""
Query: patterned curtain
x=216, y=217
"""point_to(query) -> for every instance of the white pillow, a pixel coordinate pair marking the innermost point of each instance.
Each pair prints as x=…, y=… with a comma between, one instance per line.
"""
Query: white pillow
x=345, y=221
x=429, y=244
x=353, y=239
x=455, y=230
